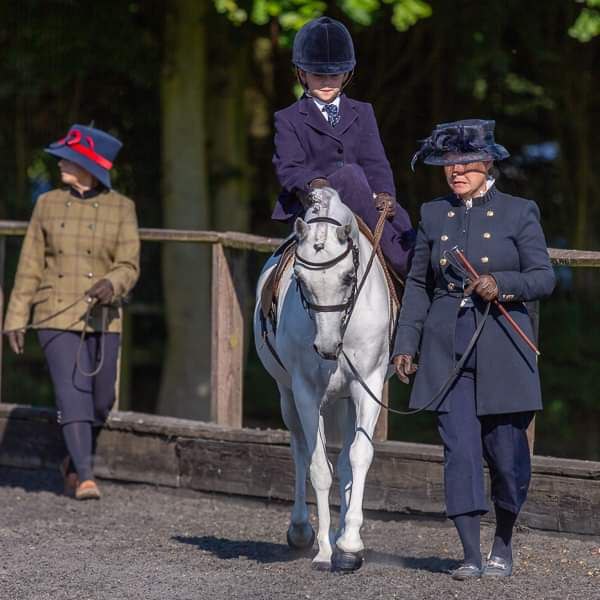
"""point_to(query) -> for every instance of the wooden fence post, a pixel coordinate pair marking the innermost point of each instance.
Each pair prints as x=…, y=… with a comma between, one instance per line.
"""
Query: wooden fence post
x=227, y=352
x=124, y=364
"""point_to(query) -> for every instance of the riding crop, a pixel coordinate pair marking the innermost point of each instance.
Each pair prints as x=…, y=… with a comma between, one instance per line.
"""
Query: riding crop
x=471, y=270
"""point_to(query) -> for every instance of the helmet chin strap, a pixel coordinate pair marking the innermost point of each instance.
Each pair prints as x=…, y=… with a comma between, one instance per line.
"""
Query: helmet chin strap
x=349, y=75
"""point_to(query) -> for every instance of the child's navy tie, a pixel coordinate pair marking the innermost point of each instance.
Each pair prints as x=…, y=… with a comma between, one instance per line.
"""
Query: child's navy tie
x=333, y=114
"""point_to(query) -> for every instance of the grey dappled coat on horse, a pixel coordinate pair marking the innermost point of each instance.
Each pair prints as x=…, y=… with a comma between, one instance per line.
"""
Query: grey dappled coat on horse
x=321, y=326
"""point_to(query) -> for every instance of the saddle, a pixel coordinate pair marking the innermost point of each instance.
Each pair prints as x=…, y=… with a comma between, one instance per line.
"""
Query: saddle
x=270, y=292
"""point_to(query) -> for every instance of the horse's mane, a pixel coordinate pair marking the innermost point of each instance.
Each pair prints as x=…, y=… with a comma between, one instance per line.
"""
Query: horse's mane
x=327, y=203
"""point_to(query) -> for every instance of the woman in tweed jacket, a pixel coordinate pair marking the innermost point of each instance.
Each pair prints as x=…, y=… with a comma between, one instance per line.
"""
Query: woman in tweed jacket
x=81, y=249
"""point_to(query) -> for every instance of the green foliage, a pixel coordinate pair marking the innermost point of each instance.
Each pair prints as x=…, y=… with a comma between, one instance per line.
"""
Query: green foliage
x=293, y=14
x=408, y=12
x=587, y=25
x=360, y=11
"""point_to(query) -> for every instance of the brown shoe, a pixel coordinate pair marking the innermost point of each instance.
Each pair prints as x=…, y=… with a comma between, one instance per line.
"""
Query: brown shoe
x=87, y=490
x=71, y=481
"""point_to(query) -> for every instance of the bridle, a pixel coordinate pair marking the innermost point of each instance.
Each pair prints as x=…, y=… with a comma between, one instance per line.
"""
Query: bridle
x=345, y=307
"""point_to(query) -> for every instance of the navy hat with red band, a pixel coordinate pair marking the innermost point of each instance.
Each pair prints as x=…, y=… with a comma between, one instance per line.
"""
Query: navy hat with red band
x=92, y=149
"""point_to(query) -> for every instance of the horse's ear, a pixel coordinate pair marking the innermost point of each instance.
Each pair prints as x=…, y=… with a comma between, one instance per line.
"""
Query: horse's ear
x=343, y=232
x=300, y=229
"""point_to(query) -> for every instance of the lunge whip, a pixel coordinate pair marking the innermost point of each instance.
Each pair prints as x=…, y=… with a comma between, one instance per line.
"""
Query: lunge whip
x=473, y=273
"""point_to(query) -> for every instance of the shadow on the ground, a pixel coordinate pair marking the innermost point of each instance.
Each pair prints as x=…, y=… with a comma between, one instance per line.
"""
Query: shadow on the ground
x=261, y=552
x=432, y=564
x=32, y=481
x=269, y=552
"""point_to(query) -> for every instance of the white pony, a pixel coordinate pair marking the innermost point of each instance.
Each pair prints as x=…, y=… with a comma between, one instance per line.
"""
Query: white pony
x=323, y=328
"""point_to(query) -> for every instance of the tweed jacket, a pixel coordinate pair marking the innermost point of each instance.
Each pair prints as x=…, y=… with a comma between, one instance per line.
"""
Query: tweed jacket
x=70, y=244
x=500, y=235
x=308, y=147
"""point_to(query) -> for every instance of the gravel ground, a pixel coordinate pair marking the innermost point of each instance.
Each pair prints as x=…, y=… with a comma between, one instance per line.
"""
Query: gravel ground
x=144, y=542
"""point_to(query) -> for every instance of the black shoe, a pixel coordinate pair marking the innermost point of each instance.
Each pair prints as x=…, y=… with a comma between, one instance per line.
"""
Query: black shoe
x=498, y=567
x=466, y=571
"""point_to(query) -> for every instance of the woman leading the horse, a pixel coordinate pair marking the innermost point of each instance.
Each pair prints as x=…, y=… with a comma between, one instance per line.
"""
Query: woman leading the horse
x=450, y=317
x=327, y=139
x=80, y=257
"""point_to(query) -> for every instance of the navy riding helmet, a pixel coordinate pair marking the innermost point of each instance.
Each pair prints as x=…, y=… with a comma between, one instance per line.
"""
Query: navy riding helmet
x=324, y=47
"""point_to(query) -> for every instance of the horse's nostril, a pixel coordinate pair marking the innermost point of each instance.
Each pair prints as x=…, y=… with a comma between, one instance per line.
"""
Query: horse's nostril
x=328, y=355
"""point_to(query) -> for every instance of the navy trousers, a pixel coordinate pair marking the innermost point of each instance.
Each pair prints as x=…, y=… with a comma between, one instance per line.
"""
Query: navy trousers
x=81, y=398
x=500, y=440
x=397, y=240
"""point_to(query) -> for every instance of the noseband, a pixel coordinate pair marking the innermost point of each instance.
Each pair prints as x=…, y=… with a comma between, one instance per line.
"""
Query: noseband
x=345, y=307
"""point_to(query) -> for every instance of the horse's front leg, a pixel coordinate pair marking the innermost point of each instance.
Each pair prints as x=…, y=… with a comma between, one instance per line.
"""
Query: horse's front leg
x=349, y=551
x=347, y=422
x=300, y=534
x=321, y=471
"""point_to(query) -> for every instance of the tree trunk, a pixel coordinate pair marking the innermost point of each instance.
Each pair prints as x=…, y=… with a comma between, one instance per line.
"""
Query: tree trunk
x=229, y=130
x=185, y=386
x=229, y=161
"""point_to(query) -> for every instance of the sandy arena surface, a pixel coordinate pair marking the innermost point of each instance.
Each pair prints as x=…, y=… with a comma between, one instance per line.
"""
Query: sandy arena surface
x=144, y=542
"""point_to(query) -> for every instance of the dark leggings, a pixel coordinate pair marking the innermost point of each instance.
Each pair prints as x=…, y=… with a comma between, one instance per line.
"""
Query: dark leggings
x=83, y=402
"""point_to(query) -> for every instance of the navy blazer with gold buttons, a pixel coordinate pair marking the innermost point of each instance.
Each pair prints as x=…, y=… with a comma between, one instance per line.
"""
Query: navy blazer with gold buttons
x=500, y=235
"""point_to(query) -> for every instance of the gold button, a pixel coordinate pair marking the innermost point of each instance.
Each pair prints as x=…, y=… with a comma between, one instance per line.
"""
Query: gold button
x=68, y=203
x=90, y=275
x=443, y=262
x=96, y=205
x=490, y=213
x=487, y=235
x=451, y=286
x=451, y=213
x=444, y=238
x=484, y=259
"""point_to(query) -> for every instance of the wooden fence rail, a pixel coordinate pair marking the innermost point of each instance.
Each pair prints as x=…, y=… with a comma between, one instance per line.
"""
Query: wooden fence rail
x=228, y=288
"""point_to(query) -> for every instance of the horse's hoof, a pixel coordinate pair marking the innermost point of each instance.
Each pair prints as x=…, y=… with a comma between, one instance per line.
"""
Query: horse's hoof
x=300, y=537
x=347, y=562
x=321, y=565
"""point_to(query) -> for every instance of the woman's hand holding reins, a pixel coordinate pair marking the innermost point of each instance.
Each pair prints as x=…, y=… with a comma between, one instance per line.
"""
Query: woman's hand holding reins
x=404, y=366
x=103, y=290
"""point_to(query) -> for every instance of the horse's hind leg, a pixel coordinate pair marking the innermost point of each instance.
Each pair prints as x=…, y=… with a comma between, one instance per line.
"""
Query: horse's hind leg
x=300, y=534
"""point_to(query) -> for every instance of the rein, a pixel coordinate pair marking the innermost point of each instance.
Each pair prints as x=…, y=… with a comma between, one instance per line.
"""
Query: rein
x=97, y=370
x=445, y=386
x=91, y=302
x=350, y=304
